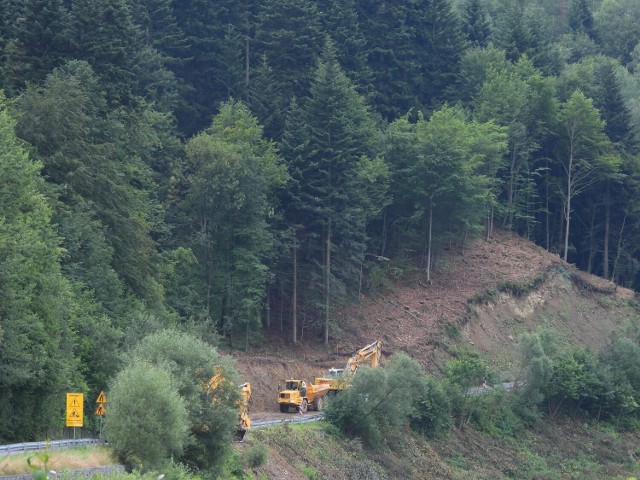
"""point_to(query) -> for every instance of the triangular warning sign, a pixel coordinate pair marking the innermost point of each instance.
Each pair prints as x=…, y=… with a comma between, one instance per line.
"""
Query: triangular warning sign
x=102, y=398
x=100, y=411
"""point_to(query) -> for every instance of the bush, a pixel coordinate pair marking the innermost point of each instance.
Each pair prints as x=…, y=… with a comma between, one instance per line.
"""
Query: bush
x=147, y=422
x=255, y=455
x=462, y=373
x=212, y=411
x=433, y=413
x=380, y=401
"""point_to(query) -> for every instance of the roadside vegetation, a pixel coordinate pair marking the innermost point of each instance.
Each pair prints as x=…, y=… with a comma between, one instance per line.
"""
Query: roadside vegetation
x=59, y=460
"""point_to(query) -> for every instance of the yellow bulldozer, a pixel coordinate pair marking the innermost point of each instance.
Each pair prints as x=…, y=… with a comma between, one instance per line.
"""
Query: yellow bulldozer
x=298, y=394
x=340, y=378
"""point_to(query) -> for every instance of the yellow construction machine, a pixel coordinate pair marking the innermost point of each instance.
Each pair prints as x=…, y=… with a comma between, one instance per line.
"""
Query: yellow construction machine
x=340, y=378
x=298, y=394
x=244, y=421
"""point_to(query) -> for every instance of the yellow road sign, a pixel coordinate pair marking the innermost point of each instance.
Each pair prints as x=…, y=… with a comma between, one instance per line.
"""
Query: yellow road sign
x=102, y=398
x=74, y=409
x=101, y=411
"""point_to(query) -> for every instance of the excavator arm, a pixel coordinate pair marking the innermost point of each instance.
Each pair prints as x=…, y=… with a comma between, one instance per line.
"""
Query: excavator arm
x=340, y=378
x=370, y=353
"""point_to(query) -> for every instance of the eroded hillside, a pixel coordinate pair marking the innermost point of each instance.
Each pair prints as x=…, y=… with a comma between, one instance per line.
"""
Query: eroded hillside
x=484, y=297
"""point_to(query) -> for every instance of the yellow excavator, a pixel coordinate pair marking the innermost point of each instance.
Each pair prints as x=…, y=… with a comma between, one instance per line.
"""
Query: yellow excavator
x=244, y=421
x=340, y=378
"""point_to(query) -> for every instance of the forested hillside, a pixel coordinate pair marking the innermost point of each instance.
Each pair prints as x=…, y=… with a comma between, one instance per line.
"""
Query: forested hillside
x=214, y=166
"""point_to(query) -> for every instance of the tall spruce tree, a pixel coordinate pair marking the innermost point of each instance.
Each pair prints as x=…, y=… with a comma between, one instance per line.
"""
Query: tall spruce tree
x=289, y=36
x=390, y=56
x=41, y=41
x=580, y=18
x=340, y=21
x=475, y=25
x=326, y=158
x=103, y=34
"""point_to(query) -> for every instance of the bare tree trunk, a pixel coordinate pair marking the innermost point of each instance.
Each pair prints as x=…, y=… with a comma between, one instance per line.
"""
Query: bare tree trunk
x=547, y=213
x=567, y=212
x=294, y=300
x=591, y=240
x=607, y=226
x=281, y=306
x=383, y=247
x=267, y=311
x=618, y=249
x=246, y=339
x=429, y=239
x=246, y=68
x=327, y=285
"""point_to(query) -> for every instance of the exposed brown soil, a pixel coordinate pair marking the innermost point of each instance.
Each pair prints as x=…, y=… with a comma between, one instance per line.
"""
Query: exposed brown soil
x=483, y=298
x=461, y=305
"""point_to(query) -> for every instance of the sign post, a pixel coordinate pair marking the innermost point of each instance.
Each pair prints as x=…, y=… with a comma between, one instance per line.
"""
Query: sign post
x=75, y=411
x=101, y=411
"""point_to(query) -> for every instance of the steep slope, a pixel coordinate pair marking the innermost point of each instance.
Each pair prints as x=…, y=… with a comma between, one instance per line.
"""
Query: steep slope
x=484, y=297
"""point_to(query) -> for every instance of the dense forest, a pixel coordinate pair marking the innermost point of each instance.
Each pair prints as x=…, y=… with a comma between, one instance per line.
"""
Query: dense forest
x=216, y=166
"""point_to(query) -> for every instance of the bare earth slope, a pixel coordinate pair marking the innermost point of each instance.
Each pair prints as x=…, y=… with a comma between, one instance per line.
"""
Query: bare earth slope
x=483, y=298
x=463, y=304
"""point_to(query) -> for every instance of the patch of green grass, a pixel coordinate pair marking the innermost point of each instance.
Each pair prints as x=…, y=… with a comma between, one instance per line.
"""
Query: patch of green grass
x=457, y=461
x=453, y=331
x=535, y=466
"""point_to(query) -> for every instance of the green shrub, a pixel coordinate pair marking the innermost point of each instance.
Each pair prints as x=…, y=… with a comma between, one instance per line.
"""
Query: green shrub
x=380, y=402
x=212, y=411
x=432, y=416
x=255, y=455
x=147, y=422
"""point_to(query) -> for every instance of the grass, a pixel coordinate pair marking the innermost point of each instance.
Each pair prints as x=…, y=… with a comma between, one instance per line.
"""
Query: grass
x=60, y=460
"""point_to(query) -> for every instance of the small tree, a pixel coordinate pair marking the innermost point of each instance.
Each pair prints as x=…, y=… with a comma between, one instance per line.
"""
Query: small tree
x=211, y=404
x=380, y=401
x=432, y=415
x=147, y=421
x=463, y=373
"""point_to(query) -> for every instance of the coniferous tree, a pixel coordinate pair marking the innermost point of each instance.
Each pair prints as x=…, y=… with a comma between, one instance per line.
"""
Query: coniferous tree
x=474, y=24
x=326, y=157
x=37, y=358
x=103, y=34
x=390, y=56
x=581, y=19
x=340, y=21
x=438, y=47
x=616, y=28
x=88, y=151
x=523, y=28
x=289, y=36
x=613, y=109
x=215, y=36
x=41, y=41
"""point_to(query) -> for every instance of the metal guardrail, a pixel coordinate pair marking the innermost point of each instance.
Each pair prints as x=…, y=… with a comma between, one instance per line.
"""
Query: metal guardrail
x=61, y=444
x=294, y=419
x=47, y=445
